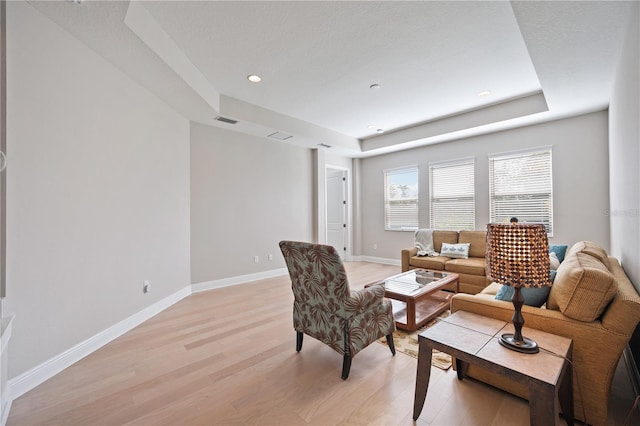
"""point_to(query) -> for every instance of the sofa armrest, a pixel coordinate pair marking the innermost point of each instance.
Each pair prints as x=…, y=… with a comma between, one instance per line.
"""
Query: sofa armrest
x=406, y=255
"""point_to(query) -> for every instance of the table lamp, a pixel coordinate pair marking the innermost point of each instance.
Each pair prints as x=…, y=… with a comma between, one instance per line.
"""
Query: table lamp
x=518, y=256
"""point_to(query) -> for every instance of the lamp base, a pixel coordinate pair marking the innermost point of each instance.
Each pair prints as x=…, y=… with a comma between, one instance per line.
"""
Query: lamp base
x=527, y=346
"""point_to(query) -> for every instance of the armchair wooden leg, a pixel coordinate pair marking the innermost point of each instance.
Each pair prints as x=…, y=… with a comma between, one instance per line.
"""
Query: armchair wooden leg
x=392, y=346
x=346, y=366
x=299, y=336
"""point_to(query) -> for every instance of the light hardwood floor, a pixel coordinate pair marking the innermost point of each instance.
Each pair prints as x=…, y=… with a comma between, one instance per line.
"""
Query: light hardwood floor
x=228, y=356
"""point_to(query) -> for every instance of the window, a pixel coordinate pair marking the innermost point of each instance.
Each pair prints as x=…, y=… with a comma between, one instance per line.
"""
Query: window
x=520, y=185
x=452, y=201
x=401, y=199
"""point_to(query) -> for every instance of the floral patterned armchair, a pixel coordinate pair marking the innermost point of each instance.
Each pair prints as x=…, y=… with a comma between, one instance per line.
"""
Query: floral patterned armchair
x=326, y=309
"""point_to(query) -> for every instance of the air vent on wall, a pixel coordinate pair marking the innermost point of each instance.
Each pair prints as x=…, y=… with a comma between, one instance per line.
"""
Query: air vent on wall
x=226, y=120
x=280, y=136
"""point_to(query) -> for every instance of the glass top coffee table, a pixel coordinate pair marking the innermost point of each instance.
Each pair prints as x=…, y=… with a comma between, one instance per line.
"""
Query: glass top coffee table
x=417, y=296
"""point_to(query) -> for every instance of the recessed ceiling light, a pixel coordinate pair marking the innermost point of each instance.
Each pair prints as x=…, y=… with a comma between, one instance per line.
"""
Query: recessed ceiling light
x=484, y=93
x=254, y=78
x=379, y=131
x=374, y=86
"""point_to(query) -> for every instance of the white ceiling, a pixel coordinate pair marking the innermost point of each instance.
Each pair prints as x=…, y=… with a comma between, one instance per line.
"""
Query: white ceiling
x=540, y=60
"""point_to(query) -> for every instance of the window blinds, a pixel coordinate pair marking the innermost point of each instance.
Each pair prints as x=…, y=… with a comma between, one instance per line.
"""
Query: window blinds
x=401, y=199
x=452, y=201
x=520, y=185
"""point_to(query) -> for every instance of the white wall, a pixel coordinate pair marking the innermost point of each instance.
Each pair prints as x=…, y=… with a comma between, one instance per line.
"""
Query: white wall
x=98, y=192
x=624, y=152
x=247, y=194
x=580, y=181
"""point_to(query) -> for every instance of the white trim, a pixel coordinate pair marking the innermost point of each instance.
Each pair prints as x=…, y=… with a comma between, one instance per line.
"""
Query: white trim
x=6, y=408
x=519, y=152
x=444, y=163
x=5, y=393
x=372, y=259
x=6, y=332
x=40, y=373
x=241, y=279
x=395, y=169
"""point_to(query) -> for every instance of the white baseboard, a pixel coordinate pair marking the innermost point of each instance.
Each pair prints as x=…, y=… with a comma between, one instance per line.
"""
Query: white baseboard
x=5, y=393
x=372, y=259
x=37, y=375
x=241, y=279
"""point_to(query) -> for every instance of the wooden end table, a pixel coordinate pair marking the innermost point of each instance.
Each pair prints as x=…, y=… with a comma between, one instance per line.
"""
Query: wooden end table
x=473, y=339
x=417, y=296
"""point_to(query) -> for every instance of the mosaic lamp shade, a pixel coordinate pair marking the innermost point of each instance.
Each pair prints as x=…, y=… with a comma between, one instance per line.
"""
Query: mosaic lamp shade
x=518, y=256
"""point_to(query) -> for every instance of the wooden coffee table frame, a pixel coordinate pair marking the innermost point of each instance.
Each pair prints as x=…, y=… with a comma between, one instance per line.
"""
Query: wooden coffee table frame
x=418, y=308
x=474, y=339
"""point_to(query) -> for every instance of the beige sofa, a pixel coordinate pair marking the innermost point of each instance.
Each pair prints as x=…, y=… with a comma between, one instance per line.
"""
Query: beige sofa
x=471, y=270
x=592, y=302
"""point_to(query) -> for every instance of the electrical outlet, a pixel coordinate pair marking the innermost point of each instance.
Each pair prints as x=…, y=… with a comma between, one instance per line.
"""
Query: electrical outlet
x=256, y=259
x=146, y=286
x=375, y=247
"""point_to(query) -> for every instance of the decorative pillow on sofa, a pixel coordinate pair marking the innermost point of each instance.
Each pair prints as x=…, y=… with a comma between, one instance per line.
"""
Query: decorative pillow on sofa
x=583, y=287
x=592, y=249
x=554, y=262
x=534, y=296
x=559, y=249
x=455, y=251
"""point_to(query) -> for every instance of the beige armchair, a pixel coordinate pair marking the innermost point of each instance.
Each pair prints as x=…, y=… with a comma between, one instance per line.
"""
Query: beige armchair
x=326, y=309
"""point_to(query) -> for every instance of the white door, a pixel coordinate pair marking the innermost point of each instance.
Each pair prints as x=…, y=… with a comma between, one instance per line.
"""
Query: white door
x=337, y=210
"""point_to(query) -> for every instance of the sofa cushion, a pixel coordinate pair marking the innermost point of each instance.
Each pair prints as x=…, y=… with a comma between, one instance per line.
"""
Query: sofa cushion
x=425, y=262
x=440, y=237
x=477, y=241
x=455, y=251
x=470, y=266
x=583, y=287
x=534, y=296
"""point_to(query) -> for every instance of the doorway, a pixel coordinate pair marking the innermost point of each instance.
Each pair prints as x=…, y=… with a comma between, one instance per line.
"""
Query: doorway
x=336, y=205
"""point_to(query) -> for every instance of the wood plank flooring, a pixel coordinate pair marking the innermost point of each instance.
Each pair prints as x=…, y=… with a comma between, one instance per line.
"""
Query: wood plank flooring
x=228, y=356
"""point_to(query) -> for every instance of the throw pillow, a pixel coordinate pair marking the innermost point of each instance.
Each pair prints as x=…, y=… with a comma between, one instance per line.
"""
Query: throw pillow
x=559, y=249
x=534, y=296
x=554, y=262
x=455, y=251
x=596, y=251
x=583, y=288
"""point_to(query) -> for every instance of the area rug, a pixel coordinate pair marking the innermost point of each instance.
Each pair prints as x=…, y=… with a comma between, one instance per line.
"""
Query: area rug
x=407, y=343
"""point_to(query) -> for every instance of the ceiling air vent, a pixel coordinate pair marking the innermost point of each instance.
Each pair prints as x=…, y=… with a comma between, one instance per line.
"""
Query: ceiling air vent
x=280, y=136
x=324, y=145
x=225, y=120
